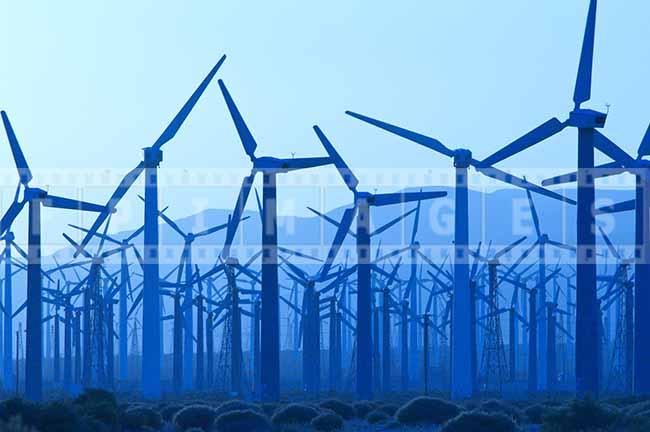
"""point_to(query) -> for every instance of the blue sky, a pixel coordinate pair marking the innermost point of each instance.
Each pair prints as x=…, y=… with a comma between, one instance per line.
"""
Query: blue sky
x=88, y=84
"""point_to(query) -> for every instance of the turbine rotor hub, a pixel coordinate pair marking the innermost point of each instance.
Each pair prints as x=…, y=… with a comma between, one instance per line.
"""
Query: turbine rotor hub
x=462, y=158
x=152, y=157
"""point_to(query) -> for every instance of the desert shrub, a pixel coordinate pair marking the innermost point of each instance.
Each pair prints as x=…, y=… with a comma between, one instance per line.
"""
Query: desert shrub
x=580, y=415
x=535, y=413
x=269, y=409
x=363, y=408
x=101, y=411
x=195, y=416
x=494, y=406
x=327, y=422
x=168, y=412
x=97, y=404
x=476, y=421
x=141, y=417
x=242, y=421
x=426, y=410
x=636, y=423
x=94, y=396
x=377, y=416
x=339, y=407
x=235, y=405
x=27, y=411
x=15, y=424
x=389, y=409
x=90, y=424
x=56, y=417
x=393, y=425
x=638, y=408
x=294, y=414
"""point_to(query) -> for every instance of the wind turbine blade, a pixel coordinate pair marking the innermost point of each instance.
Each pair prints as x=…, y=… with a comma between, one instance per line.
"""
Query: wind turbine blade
x=537, y=135
x=344, y=228
x=260, y=209
x=516, y=181
x=240, y=205
x=78, y=248
x=72, y=204
x=12, y=213
x=561, y=245
x=397, y=198
x=303, y=163
x=508, y=248
x=344, y=170
x=533, y=212
x=119, y=193
x=520, y=259
x=582, y=92
x=98, y=235
x=24, y=172
x=139, y=258
x=341, y=276
x=393, y=275
x=296, y=271
x=108, y=253
x=299, y=254
x=216, y=269
x=475, y=261
x=329, y=219
x=135, y=233
x=214, y=229
x=601, y=171
x=617, y=208
x=179, y=119
x=172, y=224
x=416, y=222
x=252, y=275
x=101, y=240
x=19, y=250
x=135, y=303
x=242, y=129
x=391, y=223
x=607, y=146
x=19, y=310
x=611, y=247
x=644, y=148
x=428, y=142
x=392, y=254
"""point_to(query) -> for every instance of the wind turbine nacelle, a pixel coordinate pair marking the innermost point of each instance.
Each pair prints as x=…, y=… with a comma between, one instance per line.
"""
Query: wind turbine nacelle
x=152, y=156
x=231, y=261
x=35, y=193
x=462, y=158
x=587, y=119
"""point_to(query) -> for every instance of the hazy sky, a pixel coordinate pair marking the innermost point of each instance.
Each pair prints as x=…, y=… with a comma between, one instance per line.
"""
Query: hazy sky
x=88, y=84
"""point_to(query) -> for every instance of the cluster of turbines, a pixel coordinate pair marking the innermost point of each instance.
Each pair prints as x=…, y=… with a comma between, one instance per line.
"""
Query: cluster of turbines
x=566, y=325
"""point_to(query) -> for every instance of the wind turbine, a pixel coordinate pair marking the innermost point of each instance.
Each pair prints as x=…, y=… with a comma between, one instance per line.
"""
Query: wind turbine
x=151, y=349
x=125, y=283
x=37, y=198
x=8, y=374
x=541, y=242
x=640, y=168
x=461, y=320
x=587, y=122
x=361, y=204
x=270, y=167
x=188, y=315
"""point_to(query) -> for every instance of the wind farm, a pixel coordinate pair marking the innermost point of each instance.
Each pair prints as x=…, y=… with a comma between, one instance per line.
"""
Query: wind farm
x=356, y=290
